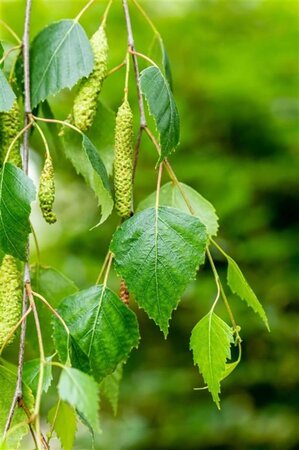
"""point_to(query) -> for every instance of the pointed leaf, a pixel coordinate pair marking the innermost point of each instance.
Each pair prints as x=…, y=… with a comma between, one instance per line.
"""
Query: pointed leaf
x=7, y=388
x=87, y=161
x=109, y=387
x=82, y=392
x=170, y=195
x=239, y=286
x=157, y=252
x=60, y=55
x=210, y=344
x=7, y=96
x=103, y=327
x=62, y=418
x=163, y=108
x=31, y=373
x=17, y=191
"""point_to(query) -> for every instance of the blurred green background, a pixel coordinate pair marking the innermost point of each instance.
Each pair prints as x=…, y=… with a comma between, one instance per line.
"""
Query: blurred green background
x=235, y=67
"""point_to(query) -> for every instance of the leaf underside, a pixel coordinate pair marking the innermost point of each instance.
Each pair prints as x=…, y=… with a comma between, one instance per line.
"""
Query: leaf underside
x=7, y=96
x=162, y=107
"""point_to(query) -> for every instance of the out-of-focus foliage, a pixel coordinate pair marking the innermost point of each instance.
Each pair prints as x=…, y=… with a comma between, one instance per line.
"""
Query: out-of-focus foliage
x=235, y=75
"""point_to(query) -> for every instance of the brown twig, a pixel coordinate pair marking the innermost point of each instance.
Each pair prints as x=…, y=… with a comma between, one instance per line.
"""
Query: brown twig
x=131, y=48
x=18, y=395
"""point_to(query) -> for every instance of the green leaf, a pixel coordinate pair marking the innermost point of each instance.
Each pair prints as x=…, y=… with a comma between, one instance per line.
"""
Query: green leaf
x=103, y=327
x=82, y=392
x=17, y=191
x=157, y=252
x=87, y=161
x=170, y=195
x=31, y=374
x=239, y=286
x=7, y=96
x=60, y=55
x=62, y=418
x=166, y=64
x=210, y=344
x=7, y=388
x=162, y=106
x=109, y=387
x=1, y=54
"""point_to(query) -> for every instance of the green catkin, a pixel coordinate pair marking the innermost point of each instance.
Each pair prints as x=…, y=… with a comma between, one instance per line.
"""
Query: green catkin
x=85, y=103
x=46, y=193
x=123, y=160
x=9, y=127
x=10, y=297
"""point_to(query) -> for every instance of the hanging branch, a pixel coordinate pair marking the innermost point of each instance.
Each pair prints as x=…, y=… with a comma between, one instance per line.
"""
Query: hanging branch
x=131, y=48
x=18, y=395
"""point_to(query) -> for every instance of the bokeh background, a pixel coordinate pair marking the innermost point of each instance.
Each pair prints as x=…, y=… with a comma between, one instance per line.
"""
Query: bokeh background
x=235, y=67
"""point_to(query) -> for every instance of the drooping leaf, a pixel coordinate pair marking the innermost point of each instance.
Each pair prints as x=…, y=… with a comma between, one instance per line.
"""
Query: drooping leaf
x=63, y=418
x=54, y=287
x=17, y=191
x=7, y=95
x=87, y=161
x=7, y=388
x=240, y=286
x=82, y=392
x=210, y=344
x=103, y=327
x=31, y=374
x=166, y=64
x=109, y=387
x=157, y=252
x=163, y=108
x=170, y=195
x=60, y=55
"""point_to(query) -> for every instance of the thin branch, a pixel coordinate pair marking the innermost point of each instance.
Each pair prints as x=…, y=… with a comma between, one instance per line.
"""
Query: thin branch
x=18, y=394
x=116, y=68
x=12, y=332
x=11, y=31
x=131, y=46
x=146, y=58
x=141, y=10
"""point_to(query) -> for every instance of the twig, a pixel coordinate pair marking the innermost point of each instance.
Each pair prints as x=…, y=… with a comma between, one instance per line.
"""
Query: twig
x=146, y=58
x=131, y=46
x=116, y=68
x=18, y=394
x=11, y=31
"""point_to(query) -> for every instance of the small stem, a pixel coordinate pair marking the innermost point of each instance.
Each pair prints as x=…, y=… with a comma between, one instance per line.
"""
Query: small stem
x=54, y=422
x=12, y=49
x=146, y=18
x=23, y=131
x=159, y=185
x=11, y=31
x=12, y=332
x=35, y=294
x=106, y=12
x=108, y=270
x=60, y=122
x=141, y=55
x=78, y=17
x=37, y=249
x=41, y=367
x=103, y=267
x=126, y=90
x=218, y=281
x=43, y=139
x=115, y=69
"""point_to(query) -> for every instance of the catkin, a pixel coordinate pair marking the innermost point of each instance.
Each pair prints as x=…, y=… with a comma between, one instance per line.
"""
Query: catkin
x=85, y=104
x=123, y=160
x=46, y=193
x=10, y=297
x=9, y=128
